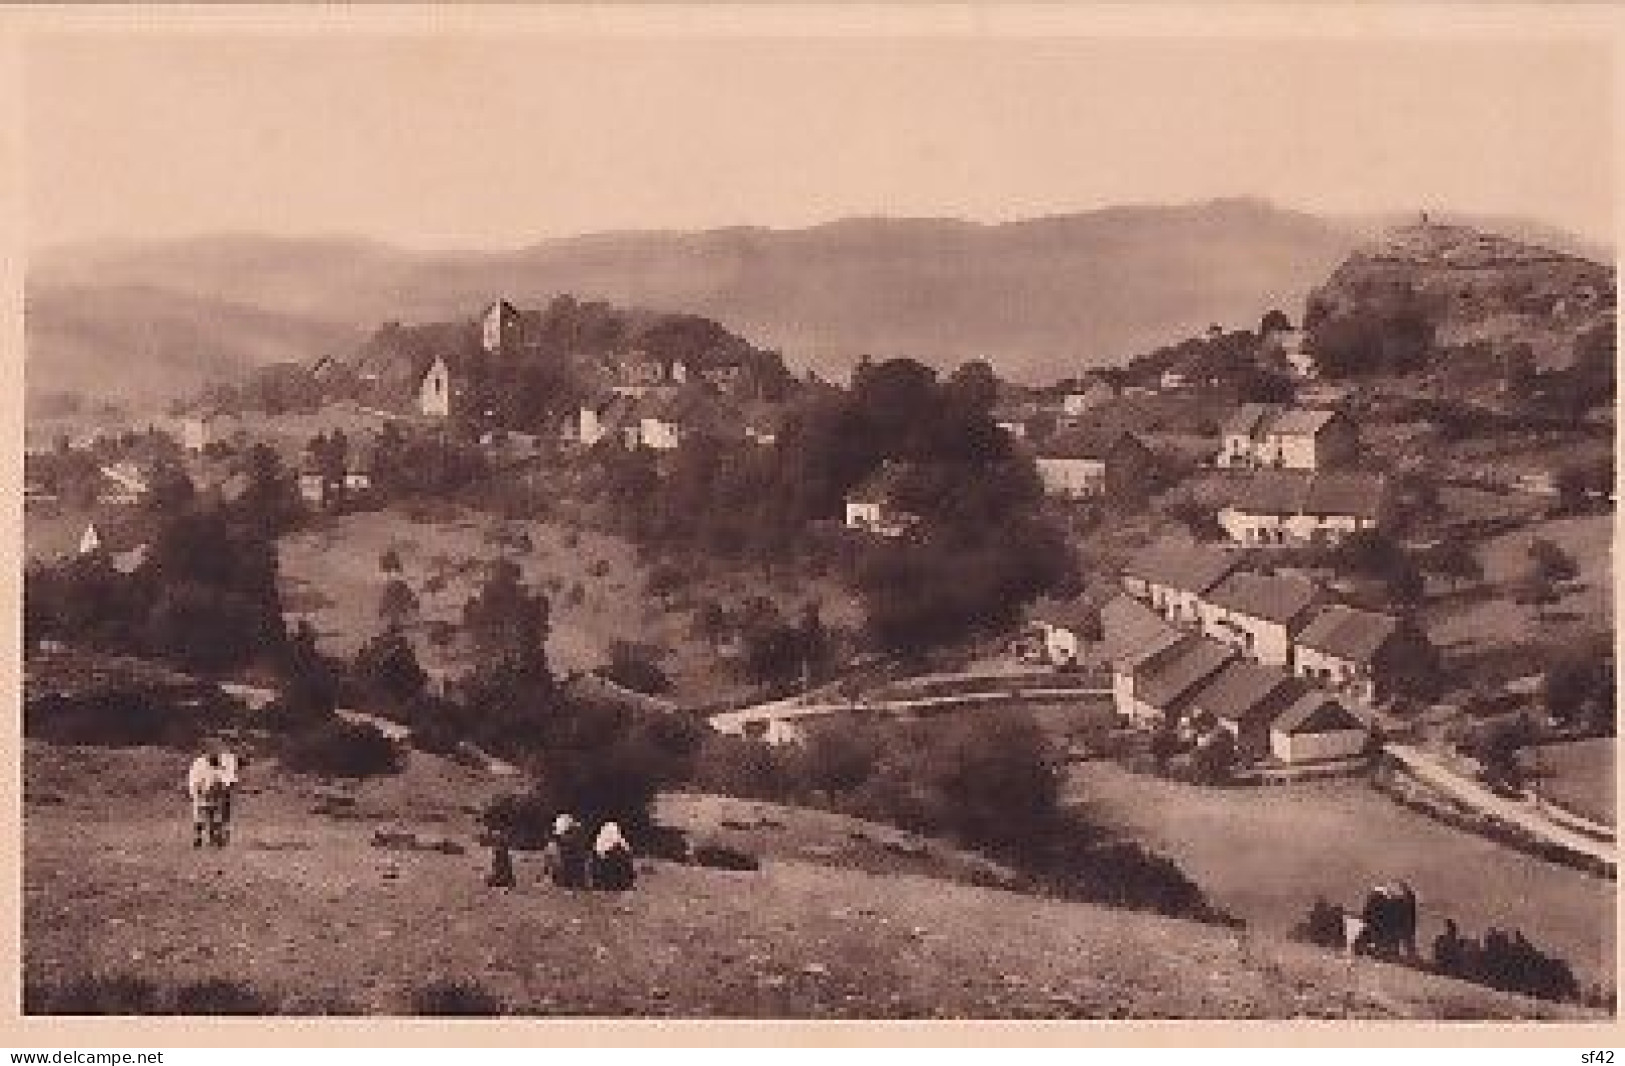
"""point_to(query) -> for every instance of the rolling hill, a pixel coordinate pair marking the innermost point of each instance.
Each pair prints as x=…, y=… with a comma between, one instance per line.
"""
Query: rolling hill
x=1041, y=298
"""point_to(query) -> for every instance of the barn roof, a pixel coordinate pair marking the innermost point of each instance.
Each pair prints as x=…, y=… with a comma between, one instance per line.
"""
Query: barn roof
x=1247, y=418
x=1278, y=598
x=1131, y=630
x=1165, y=679
x=1183, y=565
x=1348, y=632
x=1072, y=614
x=1318, y=712
x=1245, y=689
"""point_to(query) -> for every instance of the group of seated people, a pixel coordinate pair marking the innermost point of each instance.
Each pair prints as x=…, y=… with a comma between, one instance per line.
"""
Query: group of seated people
x=575, y=858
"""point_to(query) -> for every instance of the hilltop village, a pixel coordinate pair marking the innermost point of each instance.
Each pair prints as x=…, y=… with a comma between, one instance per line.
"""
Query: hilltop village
x=1361, y=544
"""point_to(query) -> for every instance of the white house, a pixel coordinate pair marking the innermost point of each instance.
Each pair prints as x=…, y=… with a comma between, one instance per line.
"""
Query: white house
x=1064, y=628
x=659, y=432
x=873, y=506
x=90, y=540
x=1274, y=436
x=1284, y=507
x=434, y=392
x=1172, y=576
x=1155, y=686
x=1076, y=404
x=500, y=328
x=1078, y=463
x=1358, y=653
x=1316, y=728
x=1259, y=614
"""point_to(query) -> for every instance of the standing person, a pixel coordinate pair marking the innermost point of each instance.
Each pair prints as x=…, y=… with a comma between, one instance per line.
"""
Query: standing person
x=565, y=857
x=611, y=860
x=207, y=790
x=228, y=784
x=501, y=875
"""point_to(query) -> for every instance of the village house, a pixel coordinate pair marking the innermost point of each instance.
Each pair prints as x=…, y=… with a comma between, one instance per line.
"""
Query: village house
x=1079, y=402
x=1283, y=507
x=1154, y=686
x=196, y=432
x=874, y=506
x=1246, y=698
x=1291, y=438
x=123, y=484
x=639, y=374
x=1359, y=654
x=435, y=389
x=1172, y=576
x=1079, y=464
x=1318, y=727
x=1259, y=614
x=1130, y=633
x=1064, y=628
x=506, y=331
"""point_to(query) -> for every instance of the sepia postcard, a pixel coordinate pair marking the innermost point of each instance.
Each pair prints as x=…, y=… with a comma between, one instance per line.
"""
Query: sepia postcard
x=553, y=517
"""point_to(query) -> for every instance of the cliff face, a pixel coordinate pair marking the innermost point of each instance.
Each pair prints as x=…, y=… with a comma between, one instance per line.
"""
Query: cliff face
x=1478, y=292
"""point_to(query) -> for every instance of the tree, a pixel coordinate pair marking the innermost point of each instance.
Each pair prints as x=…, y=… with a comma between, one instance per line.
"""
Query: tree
x=1274, y=321
x=1552, y=563
x=389, y=665
x=397, y=604
x=1454, y=559
x=506, y=621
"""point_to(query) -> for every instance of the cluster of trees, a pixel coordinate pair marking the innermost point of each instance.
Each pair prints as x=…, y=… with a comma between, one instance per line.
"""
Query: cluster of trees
x=983, y=547
x=1388, y=331
x=1578, y=687
x=1236, y=359
x=989, y=782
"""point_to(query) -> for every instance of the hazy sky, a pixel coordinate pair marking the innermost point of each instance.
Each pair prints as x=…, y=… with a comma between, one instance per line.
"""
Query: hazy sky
x=498, y=140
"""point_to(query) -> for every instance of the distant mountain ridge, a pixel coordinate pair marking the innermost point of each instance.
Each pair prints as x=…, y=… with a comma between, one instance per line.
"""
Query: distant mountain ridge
x=1040, y=298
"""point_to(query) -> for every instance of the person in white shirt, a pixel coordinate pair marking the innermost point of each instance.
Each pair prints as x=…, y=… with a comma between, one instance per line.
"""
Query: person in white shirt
x=611, y=860
x=206, y=787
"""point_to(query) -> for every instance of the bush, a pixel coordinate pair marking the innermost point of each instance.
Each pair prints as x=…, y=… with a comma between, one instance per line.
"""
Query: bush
x=445, y=998
x=722, y=857
x=218, y=995
x=113, y=994
x=632, y=666
x=342, y=749
x=1322, y=925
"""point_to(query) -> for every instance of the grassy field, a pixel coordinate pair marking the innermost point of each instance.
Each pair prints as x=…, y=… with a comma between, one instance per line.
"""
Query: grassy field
x=1578, y=775
x=317, y=920
x=1586, y=608
x=1264, y=853
x=595, y=584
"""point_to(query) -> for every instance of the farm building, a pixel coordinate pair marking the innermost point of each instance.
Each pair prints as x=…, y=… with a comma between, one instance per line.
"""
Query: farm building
x=1172, y=576
x=1246, y=698
x=1259, y=614
x=874, y=506
x=1283, y=507
x=1273, y=436
x=1316, y=728
x=435, y=389
x=1358, y=653
x=1064, y=627
x=1156, y=685
x=1077, y=464
x=1094, y=394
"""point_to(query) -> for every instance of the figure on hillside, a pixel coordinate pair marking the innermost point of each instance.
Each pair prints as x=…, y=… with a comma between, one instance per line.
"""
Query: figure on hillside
x=612, y=867
x=205, y=784
x=565, y=856
x=501, y=875
x=1388, y=923
x=228, y=776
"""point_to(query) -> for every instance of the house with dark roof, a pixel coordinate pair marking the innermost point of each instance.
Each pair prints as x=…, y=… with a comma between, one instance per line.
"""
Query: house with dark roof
x=1172, y=576
x=1246, y=698
x=1359, y=654
x=1079, y=463
x=1063, y=627
x=1317, y=727
x=875, y=505
x=1277, y=436
x=1259, y=614
x=1287, y=507
x=1131, y=633
x=1156, y=686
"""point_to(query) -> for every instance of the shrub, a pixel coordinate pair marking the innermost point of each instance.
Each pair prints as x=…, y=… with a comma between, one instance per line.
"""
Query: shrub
x=722, y=857
x=389, y=561
x=218, y=995
x=342, y=749
x=633, y=666
x=446, y=998
x=116, y=994
x=1322, y=925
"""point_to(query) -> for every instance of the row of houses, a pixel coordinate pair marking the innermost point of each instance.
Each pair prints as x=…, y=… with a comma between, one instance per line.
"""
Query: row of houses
x=1281, y=507
x=1278, y=619
x=661, y=420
